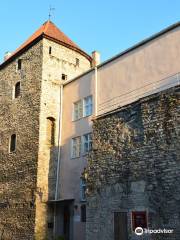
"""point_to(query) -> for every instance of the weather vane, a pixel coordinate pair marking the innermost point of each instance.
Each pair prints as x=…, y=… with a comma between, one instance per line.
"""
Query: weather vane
x=50, y=11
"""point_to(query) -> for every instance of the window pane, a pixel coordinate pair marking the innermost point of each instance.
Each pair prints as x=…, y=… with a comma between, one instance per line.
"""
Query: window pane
x=76, y=147
x=87, y=142
x=83, y=189
x=78, y=110
x=88, y=106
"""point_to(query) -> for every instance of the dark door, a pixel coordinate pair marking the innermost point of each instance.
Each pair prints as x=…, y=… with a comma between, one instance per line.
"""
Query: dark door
x=66, y=222
x=120, y=226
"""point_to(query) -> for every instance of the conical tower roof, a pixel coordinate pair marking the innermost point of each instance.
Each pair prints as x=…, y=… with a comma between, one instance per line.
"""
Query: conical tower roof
x=50, y=31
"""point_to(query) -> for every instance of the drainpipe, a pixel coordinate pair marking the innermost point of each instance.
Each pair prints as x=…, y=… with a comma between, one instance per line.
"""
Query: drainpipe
x=95, y=62
x=96, y=92
x=59, y=153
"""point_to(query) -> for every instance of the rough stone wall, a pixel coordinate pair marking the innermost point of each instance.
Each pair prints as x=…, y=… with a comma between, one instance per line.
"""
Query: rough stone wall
x=27, y=176
x=135, y=165
x=62, y=60
x=18, y=170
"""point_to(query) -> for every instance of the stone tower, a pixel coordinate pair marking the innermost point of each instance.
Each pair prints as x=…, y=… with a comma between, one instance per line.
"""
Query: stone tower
x=30, y=80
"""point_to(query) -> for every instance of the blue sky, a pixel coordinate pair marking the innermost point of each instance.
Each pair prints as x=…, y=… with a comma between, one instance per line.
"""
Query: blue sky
x=107, y=26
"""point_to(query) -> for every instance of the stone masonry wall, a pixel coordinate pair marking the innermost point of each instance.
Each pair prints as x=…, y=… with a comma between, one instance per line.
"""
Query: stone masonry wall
x=18, y=170
x=62, y=60
x=135, y=165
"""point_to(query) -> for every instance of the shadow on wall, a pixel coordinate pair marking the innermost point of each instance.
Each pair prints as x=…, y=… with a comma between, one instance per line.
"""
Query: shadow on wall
x=52, y=175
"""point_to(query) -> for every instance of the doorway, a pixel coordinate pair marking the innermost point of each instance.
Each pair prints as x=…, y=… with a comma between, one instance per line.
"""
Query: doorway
x=120, y=226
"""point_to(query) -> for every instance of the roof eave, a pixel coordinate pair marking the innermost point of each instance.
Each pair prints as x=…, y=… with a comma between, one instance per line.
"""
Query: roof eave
x=43, y=35
x=21, y=51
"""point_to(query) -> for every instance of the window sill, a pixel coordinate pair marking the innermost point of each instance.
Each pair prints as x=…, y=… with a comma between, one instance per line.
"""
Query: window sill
x=82, y=118
x=85, y=154
x=13, y=152
x=72, y=158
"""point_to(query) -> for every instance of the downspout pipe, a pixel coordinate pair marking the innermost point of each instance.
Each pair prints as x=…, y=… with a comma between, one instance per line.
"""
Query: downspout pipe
x=59, y=154
x=96, y=91
x=59, y=141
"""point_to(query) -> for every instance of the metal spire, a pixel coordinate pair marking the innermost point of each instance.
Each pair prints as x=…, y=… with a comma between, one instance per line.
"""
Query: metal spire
x=50, y=12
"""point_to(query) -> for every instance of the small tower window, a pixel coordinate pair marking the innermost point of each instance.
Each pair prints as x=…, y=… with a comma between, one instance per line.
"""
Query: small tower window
x=50, y=50
x=77, y=62
x=64, y=77
x=13, y=143
x=50, y=131
x=19, y=64
x=17, y=90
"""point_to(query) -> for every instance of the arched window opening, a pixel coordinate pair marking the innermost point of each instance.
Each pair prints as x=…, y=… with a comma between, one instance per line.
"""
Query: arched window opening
x=13, y=143
x=17, y=90
x=50, y=130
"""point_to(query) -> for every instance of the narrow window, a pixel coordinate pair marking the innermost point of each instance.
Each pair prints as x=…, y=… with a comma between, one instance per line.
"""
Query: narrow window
x=78, y=110
x=87, y=106
x=77, y=62
x=50, y=50
x=19, y=64
x=17, y=90
x=64, y=77
x=50, y=131
x=83, y=213
x=76, y=147
x=87, y=143
x=83, y=189
x=13, y=143
x=139, y=219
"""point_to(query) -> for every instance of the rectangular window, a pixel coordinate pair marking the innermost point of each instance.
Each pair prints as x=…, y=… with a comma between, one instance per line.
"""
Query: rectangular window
x=139, y=219
x=19, y=64
x=83, y=190
x=50, y=50
x=12, y=143
x=77, y=62
x=88, y=106
x=64, y=77
x=76, y=147
x=78, y=110
x=87, y=142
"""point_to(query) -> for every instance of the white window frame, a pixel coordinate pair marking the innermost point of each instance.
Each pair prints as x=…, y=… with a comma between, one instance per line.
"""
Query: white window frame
x=89, y=142
x=78, y=146
x=82, y=191
x=89, y=105
x=79, y=110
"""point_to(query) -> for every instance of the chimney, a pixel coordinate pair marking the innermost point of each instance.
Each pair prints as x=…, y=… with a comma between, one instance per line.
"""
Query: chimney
x=96, y=58
x=7, y=55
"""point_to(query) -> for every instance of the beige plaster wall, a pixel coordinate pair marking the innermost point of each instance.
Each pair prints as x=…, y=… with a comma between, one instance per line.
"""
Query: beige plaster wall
x=144, y=70
x=71, y=169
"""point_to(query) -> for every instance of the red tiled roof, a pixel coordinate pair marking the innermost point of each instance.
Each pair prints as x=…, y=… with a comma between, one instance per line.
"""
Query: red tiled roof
x=50, y=31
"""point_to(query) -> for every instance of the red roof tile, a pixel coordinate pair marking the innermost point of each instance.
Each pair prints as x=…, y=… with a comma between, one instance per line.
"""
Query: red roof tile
x=50, y=31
